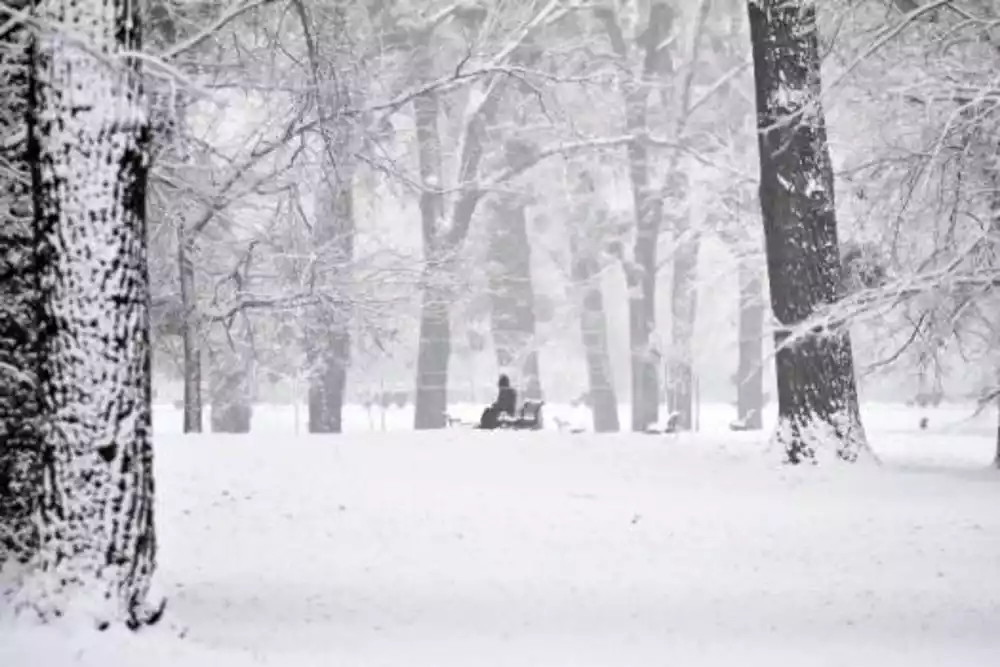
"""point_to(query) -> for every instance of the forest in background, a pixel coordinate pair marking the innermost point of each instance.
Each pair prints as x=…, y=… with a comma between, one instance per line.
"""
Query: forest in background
x=510, y=162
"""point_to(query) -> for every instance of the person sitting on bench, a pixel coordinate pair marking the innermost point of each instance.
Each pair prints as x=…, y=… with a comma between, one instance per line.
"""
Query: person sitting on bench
x=505, y=405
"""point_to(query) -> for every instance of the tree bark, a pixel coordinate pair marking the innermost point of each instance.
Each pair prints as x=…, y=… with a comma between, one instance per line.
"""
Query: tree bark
x=817, y=392
x=750, y=367
x=88, y=147
x=20, y=442
x=511, y=292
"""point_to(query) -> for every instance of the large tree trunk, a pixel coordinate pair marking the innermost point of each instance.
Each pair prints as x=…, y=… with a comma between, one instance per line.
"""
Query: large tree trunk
x=511, y=292
x=88, y=150
x=750, y=366
x=19, y=436
x=817, y=393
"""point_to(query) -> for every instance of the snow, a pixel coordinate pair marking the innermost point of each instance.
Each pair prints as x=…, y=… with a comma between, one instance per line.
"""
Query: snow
x=459, y=547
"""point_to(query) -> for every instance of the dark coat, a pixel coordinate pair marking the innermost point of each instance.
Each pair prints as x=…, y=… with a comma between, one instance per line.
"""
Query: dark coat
x=506, y=402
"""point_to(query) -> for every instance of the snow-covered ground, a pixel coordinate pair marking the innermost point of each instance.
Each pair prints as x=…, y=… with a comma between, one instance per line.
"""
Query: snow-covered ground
x=470, y=548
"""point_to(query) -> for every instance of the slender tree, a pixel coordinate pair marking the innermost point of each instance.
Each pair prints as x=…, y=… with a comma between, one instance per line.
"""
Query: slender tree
x=88, y=150
x=817, y=392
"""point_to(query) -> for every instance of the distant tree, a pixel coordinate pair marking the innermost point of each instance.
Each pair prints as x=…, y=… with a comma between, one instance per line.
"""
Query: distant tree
x=817, y=392
x=589, y=229
x=640, y=268
x=88, y=150
x=328, y=339
x=444, y=231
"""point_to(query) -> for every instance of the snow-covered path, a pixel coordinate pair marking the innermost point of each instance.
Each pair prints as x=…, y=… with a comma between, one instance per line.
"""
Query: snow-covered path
x=465, y=548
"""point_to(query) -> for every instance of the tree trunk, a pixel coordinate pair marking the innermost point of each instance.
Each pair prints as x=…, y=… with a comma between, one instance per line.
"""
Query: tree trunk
x=441, y=243
x=160, y=24
x=231, y=391
x=641, y=280
x=20, y=444
x=640, y=274
x=594, y=330
x=193, y=404
x=817, y=392
x=511, y=292
x=589, y=231
x=750, y=367
x=431, y=402
x=431, y=399
x=328, y=381
x=642, y=298
x=684, y=306
x=329, y=347
x=88, y=135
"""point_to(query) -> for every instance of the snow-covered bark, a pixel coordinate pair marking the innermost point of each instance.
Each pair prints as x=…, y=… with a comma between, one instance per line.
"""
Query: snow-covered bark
x=19, y=443
x=817, y=392
x=88, y=134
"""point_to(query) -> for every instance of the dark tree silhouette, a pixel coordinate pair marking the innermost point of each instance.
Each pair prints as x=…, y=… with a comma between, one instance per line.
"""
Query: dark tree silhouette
x=817, y=392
